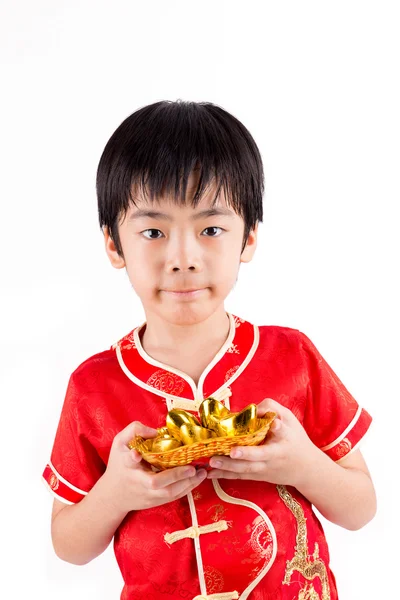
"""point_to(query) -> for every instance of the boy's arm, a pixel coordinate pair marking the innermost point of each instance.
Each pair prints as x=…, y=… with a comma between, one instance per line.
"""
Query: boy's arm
x=82, y=531
x=343, y=493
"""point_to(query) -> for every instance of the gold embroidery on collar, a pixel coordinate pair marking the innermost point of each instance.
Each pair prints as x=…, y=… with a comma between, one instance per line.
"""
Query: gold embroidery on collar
x=308, y=566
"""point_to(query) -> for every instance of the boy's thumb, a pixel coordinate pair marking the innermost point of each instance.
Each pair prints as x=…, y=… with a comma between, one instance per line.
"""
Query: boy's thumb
x=136, y=456
x=133, y=429
x=276, y=425
x=278, y=428
x=267, y=405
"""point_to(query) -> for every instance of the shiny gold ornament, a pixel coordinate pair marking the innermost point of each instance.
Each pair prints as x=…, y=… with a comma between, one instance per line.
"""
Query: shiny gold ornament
x=163, y=444
x=186, y=440
x=239, y=423
x=178, y=417
x=190, y=434
x=164, y=432
x=211, y=411
x=164, y=441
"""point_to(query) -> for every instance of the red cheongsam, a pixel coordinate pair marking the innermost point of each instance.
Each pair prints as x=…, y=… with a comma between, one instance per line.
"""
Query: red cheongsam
x=228, y=538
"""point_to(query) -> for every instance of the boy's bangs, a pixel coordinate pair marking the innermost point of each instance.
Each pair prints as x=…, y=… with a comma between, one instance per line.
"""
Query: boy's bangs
x=156, y=185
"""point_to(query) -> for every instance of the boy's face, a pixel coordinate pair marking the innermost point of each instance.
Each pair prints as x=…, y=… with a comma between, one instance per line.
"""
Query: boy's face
x=181, y=249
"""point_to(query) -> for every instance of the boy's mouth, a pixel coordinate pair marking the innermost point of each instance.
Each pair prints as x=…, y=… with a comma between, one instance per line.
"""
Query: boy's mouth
x=188, y=293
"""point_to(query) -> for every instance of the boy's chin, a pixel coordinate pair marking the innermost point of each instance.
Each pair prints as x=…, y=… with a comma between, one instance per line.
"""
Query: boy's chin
x=186, y=314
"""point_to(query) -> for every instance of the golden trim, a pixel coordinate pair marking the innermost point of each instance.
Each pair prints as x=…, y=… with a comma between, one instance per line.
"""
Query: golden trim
x=222, y=596
x=197, y=390
x=195, y=531
x=346, y=431
x=192, y=405
x=67, y=483
x=247, y=360
x=308, y=566
x=241, y=502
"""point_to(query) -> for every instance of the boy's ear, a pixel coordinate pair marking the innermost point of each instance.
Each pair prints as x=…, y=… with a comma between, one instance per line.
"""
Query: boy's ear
x=251, y=246
x=115, y=259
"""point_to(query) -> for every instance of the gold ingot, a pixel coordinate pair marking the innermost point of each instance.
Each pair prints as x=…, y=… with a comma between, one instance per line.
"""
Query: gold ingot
x=190, y=434
x=211, y=411
x=163, y=444
x=178, y=417
x=163, y=432
x=239, y=423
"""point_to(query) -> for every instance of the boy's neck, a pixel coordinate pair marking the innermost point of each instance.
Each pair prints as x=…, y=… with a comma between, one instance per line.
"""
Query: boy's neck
x=162, y=336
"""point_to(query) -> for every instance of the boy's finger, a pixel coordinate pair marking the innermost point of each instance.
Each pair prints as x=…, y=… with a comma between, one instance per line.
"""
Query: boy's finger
x=133, y=459
x=136, y=456
x=239, y=466
x=268, y=404
x=251, y=453
x=170, y=476
x=276, y=426
x=133, y=429
x=181, y=488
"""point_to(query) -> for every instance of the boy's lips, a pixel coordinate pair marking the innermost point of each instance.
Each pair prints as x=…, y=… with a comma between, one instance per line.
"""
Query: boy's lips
x=184, y=290
x=185, y=293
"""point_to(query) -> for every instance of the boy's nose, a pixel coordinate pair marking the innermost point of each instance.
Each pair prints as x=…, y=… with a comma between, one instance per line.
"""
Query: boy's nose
x=191, y=268
x=183, y=255
x=183, y=265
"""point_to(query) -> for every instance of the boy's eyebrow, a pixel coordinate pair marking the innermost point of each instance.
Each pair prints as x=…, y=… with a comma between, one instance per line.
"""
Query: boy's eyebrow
x=209, y=212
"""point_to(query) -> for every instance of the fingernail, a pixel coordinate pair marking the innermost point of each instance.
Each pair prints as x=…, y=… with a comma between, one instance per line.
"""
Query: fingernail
x=236, y=453
x=201, y=474
x=216, y=463
x=189, y=472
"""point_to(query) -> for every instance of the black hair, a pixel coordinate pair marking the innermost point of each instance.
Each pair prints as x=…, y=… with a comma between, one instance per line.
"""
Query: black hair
x=159, y=145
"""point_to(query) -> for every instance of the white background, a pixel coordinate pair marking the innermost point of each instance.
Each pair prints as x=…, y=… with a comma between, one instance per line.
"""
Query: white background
x=317, y=85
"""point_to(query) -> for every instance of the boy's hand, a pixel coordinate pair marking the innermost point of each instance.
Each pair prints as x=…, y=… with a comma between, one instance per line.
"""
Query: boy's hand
x=282, y=460
x=130, y=485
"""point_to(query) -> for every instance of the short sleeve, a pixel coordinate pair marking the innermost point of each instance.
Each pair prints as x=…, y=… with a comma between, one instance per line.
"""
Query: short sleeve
x=333, y=419
x=74, y=465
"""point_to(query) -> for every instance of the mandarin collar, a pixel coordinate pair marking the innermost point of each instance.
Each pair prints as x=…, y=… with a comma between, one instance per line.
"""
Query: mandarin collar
x=178, y=388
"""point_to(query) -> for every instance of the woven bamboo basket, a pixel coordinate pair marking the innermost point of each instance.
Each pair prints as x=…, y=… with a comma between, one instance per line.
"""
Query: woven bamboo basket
x=195, y=453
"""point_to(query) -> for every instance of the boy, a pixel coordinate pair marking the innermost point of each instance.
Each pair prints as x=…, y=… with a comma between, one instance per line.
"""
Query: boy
x=180, y=188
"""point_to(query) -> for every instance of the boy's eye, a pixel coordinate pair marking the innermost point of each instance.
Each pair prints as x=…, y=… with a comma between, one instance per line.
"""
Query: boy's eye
x=150, y=233
x=212, y=228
